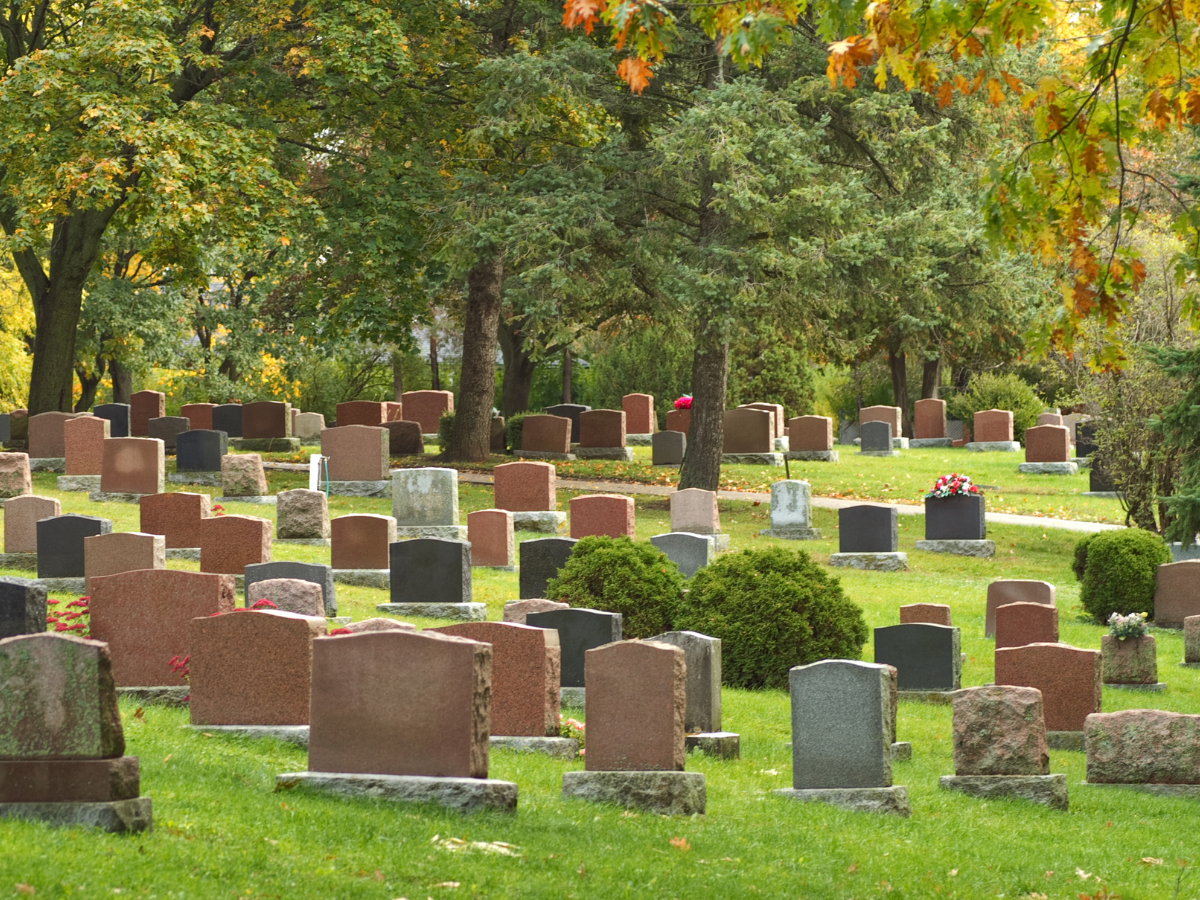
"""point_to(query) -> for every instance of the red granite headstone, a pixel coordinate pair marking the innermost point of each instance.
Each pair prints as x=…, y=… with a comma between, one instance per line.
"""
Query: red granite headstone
x=176, y=516
x=266, y=419
x=361, y=541
x=602, y=428
x=1018, y=624
x=992, y=425
x=122, y=551
x=679, y=420
x=144, y=406
x=356, y=452
x=133, y=465
x=639, y=414
x=199, y=415
x=490, y=532
x=1000, y=593
x=1068, y=677
x=230, y=543
x=546, y=434
x=1176, y=592
x=929, y=419
x=810, y=433
x=636, y=701
x=83, y=444
x=359, y=412
x=427, y=407
x=1048, y=443
x=610, y=515
x=525, y=486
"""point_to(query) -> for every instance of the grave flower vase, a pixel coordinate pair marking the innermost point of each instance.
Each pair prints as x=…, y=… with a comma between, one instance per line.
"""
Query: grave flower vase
x=1128, y=661
x=679, y=420
x=955, y=518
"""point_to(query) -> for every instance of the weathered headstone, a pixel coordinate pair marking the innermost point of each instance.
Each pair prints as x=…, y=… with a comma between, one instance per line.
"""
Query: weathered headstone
x=579, y=630
x=22, y=608
x=791, y=512
x=1150, y=747
x=926, y=657
x=689, y=552
x=133, y=465
x=695, y=511
x=308, y=427
x=302, y=515
x=425, y=503
x=15, y=477
x=541, y=558
x=167, y=429
x=314, y=573
x=242, y=475
x=609, y=515
x=702, y=655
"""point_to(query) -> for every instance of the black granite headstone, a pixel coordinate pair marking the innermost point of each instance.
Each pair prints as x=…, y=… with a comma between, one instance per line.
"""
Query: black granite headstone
x=167, y=428
x=430, y=570
x=960, y=518
x=1085, y=438
x=579, y=630
x=22, y=607
x=570, y=411
x=200, y=450
x=314, y=572
x=541, y=558
x=667, y=448
x=117, y=415
x=926, y=657
x=60, y=543
x=867, y=529
x=5, y=429
x=228, y=418
x=876, y=436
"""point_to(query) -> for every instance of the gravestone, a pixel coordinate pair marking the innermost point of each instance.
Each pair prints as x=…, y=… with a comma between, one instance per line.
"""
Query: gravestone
x=393, y=410
x=286, y=595
x=541, y=558
x=122, y=551
x=695, y=511
x=1005, y=591
x=60, y=544
x=83, y=445
x=426, y=408
x=889, y=414
x=1152, y=749
x=867, y=539
x=21, y=515
x=1068, y=677
x=992, y=429
x=876, y=439
x=302, y=515
x=702, y=655
x=144, y=406
x=527, y=487
x=404, y=438
x=356, y=453
x=516, y=611
x=689, y=552
x=602, y=435
x=1049, y=418
x=251, y=668
x=490, y=533
x=266, y=420
x=810, y=439
x=200, y=450
x=432, y=577
x=167, y=429
x=425, y=503
x=199, y=415
x=842, y=728
x=546, y=437
x=636, y=706
x=230, y=543
x=117, y=415
x=930, y=613
x=23, y=607
x=144, y=618
x=359, y=412
x=132, y=467
x=227, y=417
x=176, y=516
x=498, y=439
x=667, y=448
x=926, y=657
x=242, y=475
x=791, y=512
x=776, y=412
x=1085, y=439
x=639, y=413
x=46, y=440
x=679, y=420
x=314, y=573
x=1018, y=624
x=1048, y=451
x=361, y=541
x=1191, y=639
x=15, y=477
x=579, y=630
x=308, y=427
x=570, y=411
x=929, y=423
x=1176, y=593
x=748, y=431
x=608, y=515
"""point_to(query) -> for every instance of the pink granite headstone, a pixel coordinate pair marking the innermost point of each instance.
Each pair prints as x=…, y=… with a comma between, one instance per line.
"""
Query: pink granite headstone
x=635, y=705
x=1048, y=443
x=356, y=452
x=21, y=515
x=176, y=516
x=889, y=414
x=639, y=414
x=810, y=433
x=122, y=551
x=991, y=425
x=695, y=510
x=1005, y=591
x=928, y=613
x=230, y=543
x=490, y=532
x=83, y=443
x=546, y=434
x=133, y=465
x=46, y=438
x=1068, y=677
x=929, y=419
x=525, y=486
x=15, y=477
x=427, y=407
x=361, y=541
x=610, y=515
x=1018, y=624
x=359, y=412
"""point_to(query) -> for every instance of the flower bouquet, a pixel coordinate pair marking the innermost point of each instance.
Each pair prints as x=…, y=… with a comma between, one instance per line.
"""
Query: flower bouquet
x=952, y=485
x=684, y=402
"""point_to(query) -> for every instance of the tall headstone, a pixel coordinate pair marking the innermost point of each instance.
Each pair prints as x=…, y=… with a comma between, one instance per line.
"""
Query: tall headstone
x=490, y=533
x=639, y=413
x=117, y=415
x=227, y=417
x=426, y=408
x=144, y=406
x=579, y=630
x=541, y=558
x=83, y=444
x=636, y=704
x=702, y=654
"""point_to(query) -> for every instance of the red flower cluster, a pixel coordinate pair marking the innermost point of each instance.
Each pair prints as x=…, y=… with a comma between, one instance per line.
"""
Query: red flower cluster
x=74, y=616
x=952, y=485
x=684, y=402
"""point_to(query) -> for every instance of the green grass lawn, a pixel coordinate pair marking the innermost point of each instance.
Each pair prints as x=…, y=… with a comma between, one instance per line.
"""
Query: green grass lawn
x=221, y=831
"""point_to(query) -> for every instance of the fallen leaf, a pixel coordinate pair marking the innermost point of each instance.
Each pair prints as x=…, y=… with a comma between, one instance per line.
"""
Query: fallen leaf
x=447, y=884
x=139, y=713
x=853, y=867
x=167, y=758
x=1151, y=861
x=378, y=875
x=680, y=844
x=952, y=872
x=1083, y=876
x=582, y=871
x=27, y=889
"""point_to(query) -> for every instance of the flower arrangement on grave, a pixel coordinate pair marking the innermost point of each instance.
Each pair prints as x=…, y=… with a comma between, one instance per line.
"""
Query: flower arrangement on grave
x=571, y=728
x=952, y=485
x=264, y=603
x=74, y=617
x=1130, y=626
x=684, y=402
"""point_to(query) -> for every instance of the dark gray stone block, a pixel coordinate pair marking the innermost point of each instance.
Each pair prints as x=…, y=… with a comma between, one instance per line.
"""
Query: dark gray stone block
x=22, y=607
x=541, y=559
x=867, y=529
x=702, y=656
x=876, y=436
x=459, y=794
x=167, y=428
x=689, y=552
x=117, y=415
x=1085, y=439
x=667, y=448
x=430, y=570
x=313, y=572
x=579, y=630
x=228, y=418
x=926, y=657
x=200, y=450
x=570, y=411
x=5, y=428
x=60, y=543
x=955, y=518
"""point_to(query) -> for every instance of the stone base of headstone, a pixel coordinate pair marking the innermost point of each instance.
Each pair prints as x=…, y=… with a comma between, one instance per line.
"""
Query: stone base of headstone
x=113, y=816
x=64, y=585
x=450, y=532
x=1178, y=554
x=165, y=695
x=888, y=800
x=556, y=747
x=663, y=793
x=918, y=443
x=303, y=542
x=901, y=751
x=1184, y=791
x=265, y=445
x=994, y=446
x=430, y=438
x=1083, y=462
x=1190, y=665
x=374, y=578
x=900, y=443
x=959, y=548
x=783, y=444
x=1064, y=740
x=360, y=488
x=639, y=440
x=78, y=483
x=189, y=553
x=461, y=612
x=1048, y=468
x=624, y=454
x=721, y=744
x=811, y=456
x=291, y=734
x=266, y=500
x=116, y=497
x=548, y=522
x=573, y=697
x=1152, y=686
x=752, y=459
x=459, y=794
x=720, y=542
x=936, y=697
x=544, y=454
x=878, y=452
x=876, y=562
x=1105, y=495
x=48, y=464
x=310, y=442
x=204, y=479
x=18, y=560
x=792, y=534
x=1048, y=790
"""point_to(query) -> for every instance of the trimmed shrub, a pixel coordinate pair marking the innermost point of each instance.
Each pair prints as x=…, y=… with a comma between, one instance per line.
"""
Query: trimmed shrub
x=772, y=609
x=1117, y=571
x=514, y=427
x=445, y=430
x=989, y=391
x=617, y=575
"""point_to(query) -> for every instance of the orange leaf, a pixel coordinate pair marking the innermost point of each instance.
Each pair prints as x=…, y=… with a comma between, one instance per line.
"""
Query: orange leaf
x=581, y=12
x=1091, y=158
x=635, y=72
x=1014, y=83
x=945, y=94
x=1191, y=105
x=995, y=92
x=846, y=57
x=680, y=844
x=1159, y=108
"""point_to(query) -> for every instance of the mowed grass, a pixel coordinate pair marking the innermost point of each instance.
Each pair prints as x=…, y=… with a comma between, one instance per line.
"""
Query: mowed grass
x=222, y=831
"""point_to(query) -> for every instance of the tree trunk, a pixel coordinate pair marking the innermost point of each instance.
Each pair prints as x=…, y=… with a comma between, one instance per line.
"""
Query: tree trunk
x=471, y=438
x=931, y=379
x=706, y=436
x=519, y=367
x=962, y=378
x=435, y=381
x=897, y=362
x=122, y=382
x=87, y=386
x=397, y=375
x=566, y=395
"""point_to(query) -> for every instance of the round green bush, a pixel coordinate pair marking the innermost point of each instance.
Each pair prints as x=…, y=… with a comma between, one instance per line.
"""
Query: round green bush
x=772, y=609
x=990, y=391
x=617, y=575
x=1117, y=570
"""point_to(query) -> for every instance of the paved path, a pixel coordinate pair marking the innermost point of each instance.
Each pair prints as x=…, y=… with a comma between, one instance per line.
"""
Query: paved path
x=659, y=490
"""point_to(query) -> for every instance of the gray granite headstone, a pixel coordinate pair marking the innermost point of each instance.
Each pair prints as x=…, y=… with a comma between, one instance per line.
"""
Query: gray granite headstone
x=60, y=543
x=667, y=448
x=168, y=428
x=313, y=572
x=430, y=570
x=22, y=607
x=927, y=657
x=702, y=656
x=228, y=418
x=876, y=436
x=579, y=630
x=867, y=529
x=117, y=415
x=841, y=725
x=200, y=450
x=690, y=552
x=570, y=411
x=425, y=496
x=541, y=558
